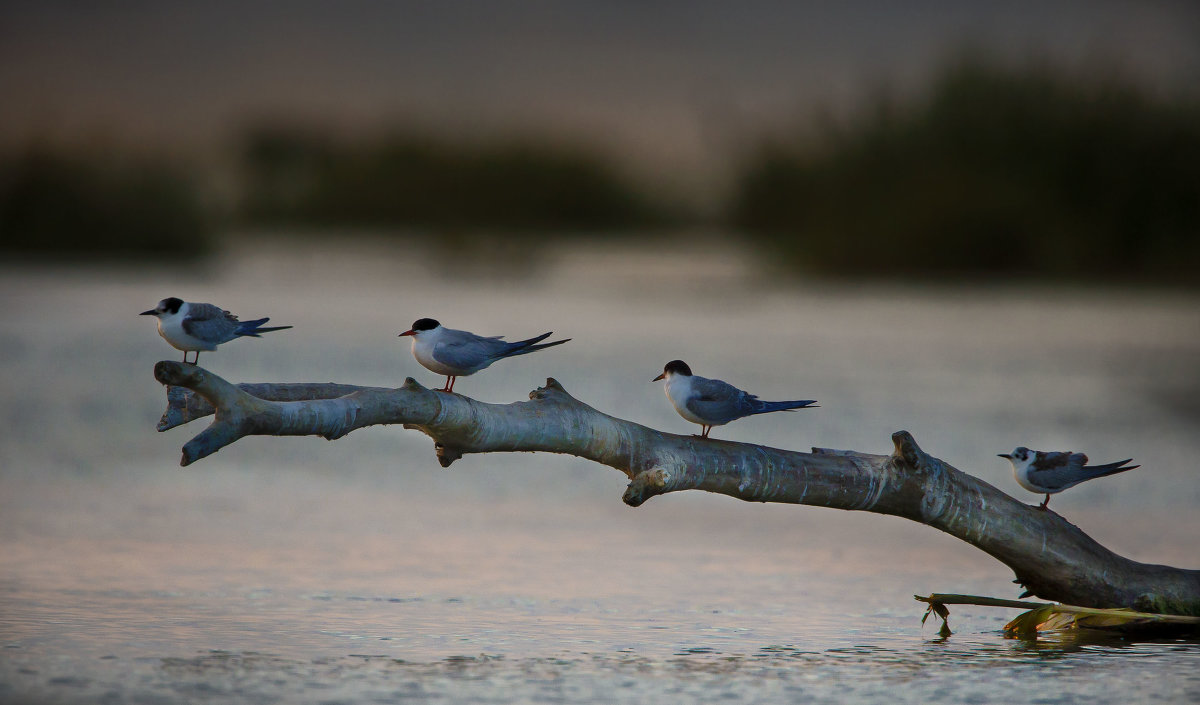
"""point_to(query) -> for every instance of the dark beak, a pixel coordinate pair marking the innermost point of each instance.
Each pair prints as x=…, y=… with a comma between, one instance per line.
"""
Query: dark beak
x=1006, y=456
x=659, y=377
x=407, y=332
x=151, y=312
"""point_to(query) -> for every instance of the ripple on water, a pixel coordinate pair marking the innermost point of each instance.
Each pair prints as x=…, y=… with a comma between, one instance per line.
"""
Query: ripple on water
x=978, y=670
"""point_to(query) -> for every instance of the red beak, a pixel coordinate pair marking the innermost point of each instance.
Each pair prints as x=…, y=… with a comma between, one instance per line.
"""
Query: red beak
x=659, y=377
x=407, y=332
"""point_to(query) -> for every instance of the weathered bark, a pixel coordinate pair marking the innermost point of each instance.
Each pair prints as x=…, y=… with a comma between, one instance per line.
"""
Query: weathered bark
x=1050, y=556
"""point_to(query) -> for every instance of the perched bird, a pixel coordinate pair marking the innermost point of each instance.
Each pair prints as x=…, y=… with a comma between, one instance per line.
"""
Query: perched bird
x=1052, y=472
x=458, y=353
x=193, y=327
x=711, y=402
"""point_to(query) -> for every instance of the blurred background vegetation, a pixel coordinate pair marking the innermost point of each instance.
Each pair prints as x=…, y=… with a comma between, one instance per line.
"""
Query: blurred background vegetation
x=407, y=180
x=1015, y=171
x=83, y=203
x=986, y=164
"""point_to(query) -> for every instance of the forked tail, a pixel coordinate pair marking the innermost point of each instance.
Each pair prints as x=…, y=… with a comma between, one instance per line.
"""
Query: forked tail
x=765, y=407
x=527, y=346
x=1109, y=468
x=253, y=328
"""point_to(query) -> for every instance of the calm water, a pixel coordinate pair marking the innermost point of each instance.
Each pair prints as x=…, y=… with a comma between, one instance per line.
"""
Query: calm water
x=298, y=570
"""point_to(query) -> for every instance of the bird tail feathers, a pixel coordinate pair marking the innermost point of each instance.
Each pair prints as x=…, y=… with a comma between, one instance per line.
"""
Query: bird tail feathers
x=527, y=346
x=764, y=407
x=252, y=329
x=1110, y=468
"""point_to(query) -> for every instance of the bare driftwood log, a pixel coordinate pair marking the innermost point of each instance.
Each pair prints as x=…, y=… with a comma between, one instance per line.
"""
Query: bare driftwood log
x=1051, y=557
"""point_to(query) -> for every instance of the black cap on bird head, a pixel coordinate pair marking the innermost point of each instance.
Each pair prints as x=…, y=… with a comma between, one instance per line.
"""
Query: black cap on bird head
x=420, y=326
x=674, y=367
x=1020, y=453
x=167, y=305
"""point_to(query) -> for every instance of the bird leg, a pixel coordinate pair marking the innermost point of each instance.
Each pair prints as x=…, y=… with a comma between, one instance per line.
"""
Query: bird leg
x=449, y=387
x=1046, y=504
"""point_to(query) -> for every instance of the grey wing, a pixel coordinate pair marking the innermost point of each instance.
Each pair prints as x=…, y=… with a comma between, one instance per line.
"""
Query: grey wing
x=465, y=350
x=210, y=323
x=719, y=401
x=1058, y=470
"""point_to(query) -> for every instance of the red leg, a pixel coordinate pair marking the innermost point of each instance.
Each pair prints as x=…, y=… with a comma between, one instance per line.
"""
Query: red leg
x=1046, y=504
x=452, y=381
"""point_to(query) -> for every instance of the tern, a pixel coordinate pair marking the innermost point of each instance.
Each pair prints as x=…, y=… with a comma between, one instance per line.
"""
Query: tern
x=458, y=353
x=192, y=327
x=711, y=402
x=1049, y=472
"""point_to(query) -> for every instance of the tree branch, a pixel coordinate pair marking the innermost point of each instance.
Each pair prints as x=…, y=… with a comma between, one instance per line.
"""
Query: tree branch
x=1050, y=556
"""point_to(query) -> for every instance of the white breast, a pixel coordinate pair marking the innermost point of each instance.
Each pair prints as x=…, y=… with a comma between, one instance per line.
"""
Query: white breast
x=1022, y=476
x=423, y=347
x=171, y=330
x=679, y=390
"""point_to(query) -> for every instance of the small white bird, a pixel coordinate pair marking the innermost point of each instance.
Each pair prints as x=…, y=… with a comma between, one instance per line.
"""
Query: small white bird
x=193, y=327
x=1050, y=472
x=711, y=402
x=458, y=353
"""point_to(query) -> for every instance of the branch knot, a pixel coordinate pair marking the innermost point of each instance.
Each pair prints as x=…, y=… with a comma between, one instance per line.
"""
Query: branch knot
x=412, y=385
x=551, y=389
x=907, y=451
x=446, y=454
x=646, y=484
